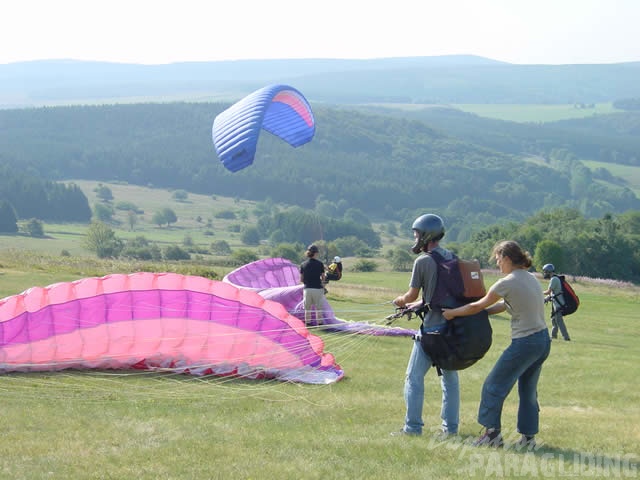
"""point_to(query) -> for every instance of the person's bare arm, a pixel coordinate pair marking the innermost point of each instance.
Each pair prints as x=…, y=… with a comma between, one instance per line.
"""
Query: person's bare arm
x=411, y=295
x=491, y=301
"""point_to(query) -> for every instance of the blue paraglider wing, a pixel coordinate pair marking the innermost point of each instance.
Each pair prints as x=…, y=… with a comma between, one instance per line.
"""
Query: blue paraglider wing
x=279, y=109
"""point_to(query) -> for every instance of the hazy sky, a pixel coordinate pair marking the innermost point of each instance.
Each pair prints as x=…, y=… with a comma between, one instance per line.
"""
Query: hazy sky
x=167, y=31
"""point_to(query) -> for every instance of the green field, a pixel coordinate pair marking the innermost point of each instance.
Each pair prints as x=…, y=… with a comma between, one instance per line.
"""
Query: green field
x=517, y=112
x=141, y=425
x=121, y=425
x=629, y=173
x=196, y=219
x=535, y=113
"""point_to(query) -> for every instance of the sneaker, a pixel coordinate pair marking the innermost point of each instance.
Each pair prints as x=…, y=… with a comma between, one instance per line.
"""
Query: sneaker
x=442, y=435
x=526, y=442
x=490, y=438
x=403, y=432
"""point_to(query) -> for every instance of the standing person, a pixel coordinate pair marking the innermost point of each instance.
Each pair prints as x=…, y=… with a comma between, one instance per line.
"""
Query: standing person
x=519, y=293
x=428, y=230
x=554, y=293
x=312, y=276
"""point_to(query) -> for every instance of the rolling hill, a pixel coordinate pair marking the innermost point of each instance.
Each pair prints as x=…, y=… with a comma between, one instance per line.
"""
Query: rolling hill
x=420, y=80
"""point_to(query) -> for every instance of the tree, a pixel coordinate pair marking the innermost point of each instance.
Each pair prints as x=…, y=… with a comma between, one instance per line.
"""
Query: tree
x=169, y=216
x=289, y=251
x=326, y=208
x=166, y=215
x=400, y=259
x=220, y=247
x=102, y=240
x=8, y=220
x=174, y=252
x=180, y=195
x=141, y=248
x=103, y=193
x=250, y=236
x=243, y=256
x=158, y=218
x=349, y=246
x=356, y=215
x=549, y=251
x=34, y=228
x=132, y=219
x=102, y=212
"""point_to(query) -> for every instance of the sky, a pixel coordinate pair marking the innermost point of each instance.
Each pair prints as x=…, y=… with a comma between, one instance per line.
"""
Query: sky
x=168, y=31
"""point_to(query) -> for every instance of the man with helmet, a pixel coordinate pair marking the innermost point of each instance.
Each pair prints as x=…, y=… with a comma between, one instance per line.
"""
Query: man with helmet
x=334, y=270
x=554, y=293
x=428, y=230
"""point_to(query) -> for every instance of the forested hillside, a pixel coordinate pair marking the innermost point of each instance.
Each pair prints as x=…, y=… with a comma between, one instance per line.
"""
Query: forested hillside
x=607, y=138
x=385, y=166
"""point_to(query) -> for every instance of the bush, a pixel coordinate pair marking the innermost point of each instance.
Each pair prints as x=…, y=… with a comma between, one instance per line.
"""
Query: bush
x=220, y=247
x=365, y=266
x=243, y=256
x=226, y=214
x=250, y=236
x=289, y=251
x=173, y=252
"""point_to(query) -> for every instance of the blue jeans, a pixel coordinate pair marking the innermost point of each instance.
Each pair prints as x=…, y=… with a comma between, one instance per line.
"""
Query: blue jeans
x=419, y=365
x=521, y=361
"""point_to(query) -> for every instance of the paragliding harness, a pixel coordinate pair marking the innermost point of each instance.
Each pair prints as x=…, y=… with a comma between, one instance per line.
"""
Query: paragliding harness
x=334, y=272
x=461, y=342
x=569, y=298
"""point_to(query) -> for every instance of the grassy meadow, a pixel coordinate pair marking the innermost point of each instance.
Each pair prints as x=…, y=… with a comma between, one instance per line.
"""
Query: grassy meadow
x=535, y=113
x=522, y=113
x=117, y=425
x=629, y=173
x=141, y=425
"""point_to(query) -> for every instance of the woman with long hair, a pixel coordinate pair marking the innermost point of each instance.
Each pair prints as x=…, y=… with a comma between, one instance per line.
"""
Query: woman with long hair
x=520, y=294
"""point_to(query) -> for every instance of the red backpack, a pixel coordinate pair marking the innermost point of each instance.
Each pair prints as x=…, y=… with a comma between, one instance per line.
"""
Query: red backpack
x=569, y=298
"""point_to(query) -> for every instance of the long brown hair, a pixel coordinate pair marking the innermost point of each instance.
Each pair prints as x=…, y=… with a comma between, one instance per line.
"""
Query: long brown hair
x=509, y=248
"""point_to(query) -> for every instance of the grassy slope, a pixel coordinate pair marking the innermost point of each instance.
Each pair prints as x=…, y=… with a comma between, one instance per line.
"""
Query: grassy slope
x=629, y=173
x=159, y=426
x=535, y=113
x=522, y=113
x=70, y=236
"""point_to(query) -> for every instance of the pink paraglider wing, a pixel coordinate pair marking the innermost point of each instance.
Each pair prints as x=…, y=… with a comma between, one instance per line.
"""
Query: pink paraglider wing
x=184, y=324
x=278, y=279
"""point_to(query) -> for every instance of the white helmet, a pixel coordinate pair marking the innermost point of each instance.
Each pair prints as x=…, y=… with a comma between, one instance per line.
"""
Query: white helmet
x=337, y=259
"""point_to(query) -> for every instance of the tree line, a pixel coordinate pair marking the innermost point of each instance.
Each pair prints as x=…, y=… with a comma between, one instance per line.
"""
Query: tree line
x=25, y=195
x=607, y=247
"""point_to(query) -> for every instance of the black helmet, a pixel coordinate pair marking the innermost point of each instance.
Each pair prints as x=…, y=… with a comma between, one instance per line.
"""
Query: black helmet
x=312, y=248
x=548, y=270
x=430, y=228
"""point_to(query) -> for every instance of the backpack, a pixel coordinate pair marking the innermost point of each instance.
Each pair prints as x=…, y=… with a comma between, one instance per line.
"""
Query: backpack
x=461, y=342
x=459, y=282
x=569, y=297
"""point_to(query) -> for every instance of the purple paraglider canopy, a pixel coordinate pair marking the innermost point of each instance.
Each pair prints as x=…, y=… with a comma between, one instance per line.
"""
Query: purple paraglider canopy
x=278, y=279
